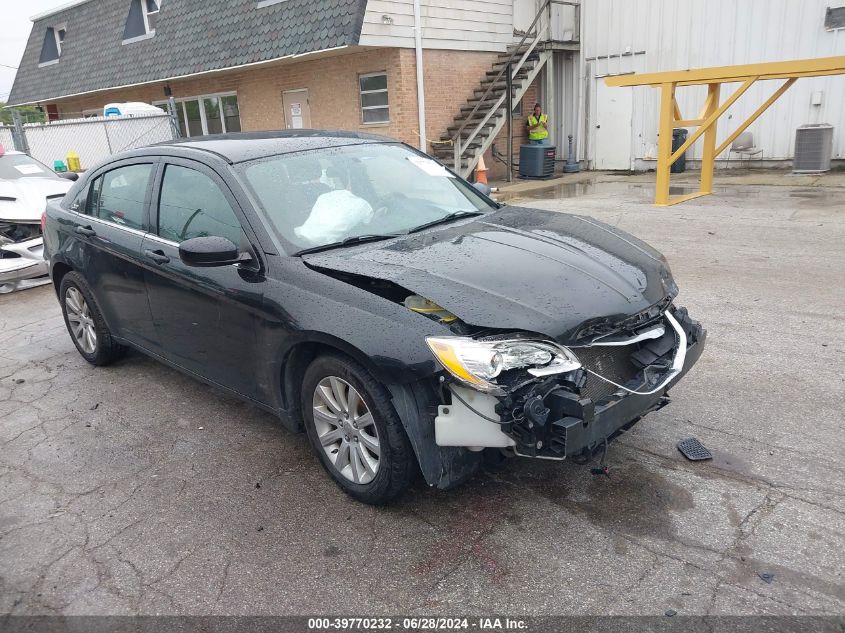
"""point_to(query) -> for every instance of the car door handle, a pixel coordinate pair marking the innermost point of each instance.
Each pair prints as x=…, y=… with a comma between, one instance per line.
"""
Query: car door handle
x=157, y=256
x=86, y=231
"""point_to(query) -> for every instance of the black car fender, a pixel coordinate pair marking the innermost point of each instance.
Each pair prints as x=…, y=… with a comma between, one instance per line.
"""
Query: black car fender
x=441, y=466
x=414, y=401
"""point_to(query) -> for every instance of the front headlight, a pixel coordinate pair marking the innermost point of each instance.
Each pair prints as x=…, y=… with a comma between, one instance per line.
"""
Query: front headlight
x=478, y=363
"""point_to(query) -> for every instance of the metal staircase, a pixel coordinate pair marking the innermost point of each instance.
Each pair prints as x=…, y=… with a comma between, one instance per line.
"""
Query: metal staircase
x=475, y=127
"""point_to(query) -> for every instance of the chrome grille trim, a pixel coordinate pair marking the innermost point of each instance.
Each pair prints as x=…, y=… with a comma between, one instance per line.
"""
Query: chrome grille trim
x=677, y=362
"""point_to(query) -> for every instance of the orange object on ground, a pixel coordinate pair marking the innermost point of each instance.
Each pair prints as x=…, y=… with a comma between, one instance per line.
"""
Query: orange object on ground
x=481, y=171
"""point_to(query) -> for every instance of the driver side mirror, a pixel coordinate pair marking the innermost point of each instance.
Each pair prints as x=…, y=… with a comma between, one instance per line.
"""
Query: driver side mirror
x=68, y=175
x=205, y=252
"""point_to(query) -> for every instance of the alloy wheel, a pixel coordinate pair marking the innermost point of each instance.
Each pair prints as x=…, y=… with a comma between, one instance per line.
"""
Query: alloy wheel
x=81, y=322
x=346, y=430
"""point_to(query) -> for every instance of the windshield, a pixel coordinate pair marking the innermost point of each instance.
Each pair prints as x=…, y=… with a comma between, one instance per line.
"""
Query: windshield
x=14, y=166
x=326, y=196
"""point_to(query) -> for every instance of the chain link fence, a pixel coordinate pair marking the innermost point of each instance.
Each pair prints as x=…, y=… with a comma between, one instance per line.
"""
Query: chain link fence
x=94, y=138
x=7, y=139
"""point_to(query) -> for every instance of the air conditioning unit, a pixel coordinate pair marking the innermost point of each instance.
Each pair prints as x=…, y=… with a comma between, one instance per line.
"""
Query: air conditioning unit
x=537, y=161
x=813, y=148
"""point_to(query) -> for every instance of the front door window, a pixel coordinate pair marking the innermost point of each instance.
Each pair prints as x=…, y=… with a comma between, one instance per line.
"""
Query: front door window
x=192, y=205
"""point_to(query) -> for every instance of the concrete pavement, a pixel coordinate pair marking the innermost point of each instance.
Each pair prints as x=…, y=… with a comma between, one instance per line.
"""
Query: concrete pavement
x=134, y=489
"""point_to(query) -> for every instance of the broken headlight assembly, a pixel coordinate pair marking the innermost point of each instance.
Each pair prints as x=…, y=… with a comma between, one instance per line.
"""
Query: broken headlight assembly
x=477, y=363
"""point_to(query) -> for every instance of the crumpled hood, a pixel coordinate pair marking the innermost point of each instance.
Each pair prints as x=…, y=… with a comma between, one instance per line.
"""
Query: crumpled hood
x=30, y=197
x=520, y=268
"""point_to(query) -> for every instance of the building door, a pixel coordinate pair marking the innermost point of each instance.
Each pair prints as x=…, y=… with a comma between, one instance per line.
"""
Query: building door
x=297, y=109
x=614, y=109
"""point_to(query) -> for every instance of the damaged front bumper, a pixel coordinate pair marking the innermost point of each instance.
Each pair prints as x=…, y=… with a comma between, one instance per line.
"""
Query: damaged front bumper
x=22, y=265
x=572, y=415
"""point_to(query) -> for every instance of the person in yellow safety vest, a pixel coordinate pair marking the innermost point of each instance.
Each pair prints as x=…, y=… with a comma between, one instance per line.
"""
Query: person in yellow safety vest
x=538, y=124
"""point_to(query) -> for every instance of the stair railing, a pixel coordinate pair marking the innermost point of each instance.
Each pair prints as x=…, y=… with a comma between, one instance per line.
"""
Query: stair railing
x=537, y=38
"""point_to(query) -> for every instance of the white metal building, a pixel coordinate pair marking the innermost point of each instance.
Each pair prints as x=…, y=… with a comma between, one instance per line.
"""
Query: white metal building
x=617, y=127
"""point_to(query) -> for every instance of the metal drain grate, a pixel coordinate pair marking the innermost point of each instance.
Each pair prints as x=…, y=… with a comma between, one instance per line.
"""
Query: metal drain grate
x=694, y=450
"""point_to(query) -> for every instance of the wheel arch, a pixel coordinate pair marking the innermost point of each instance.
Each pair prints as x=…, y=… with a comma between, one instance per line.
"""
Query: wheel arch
x=58, y=272
x=443, y=467
x=296, y=359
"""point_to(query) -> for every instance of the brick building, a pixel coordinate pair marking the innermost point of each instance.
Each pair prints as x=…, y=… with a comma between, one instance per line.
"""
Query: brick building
x=269, y=64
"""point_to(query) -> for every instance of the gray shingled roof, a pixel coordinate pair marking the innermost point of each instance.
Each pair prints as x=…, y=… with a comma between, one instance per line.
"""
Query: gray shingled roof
x=191, y=36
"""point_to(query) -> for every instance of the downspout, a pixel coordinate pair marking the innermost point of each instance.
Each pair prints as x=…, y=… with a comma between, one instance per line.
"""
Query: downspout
x=420, y=83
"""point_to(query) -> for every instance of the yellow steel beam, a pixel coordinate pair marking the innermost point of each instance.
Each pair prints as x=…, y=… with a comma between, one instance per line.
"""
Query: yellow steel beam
x=684, y=198
x=756, y=114
x=670, y=112
x=664, y=144
x=711, y=119
x=708, y=156
x=708, y=103
x=743, y=72
x=676, y=110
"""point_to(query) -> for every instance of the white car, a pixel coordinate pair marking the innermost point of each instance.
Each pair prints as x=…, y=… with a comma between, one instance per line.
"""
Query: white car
x=25, y=187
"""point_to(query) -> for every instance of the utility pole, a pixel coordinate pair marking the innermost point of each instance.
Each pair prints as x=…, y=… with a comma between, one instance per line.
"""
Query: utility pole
x=509, y=119
x=18, y=133
x=174, y=116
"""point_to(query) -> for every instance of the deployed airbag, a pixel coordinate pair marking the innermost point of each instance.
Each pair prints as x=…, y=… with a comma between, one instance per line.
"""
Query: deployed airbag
x=333, y=217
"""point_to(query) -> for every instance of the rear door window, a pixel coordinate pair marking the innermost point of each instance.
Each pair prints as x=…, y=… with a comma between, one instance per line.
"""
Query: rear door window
x=192, y=205
x=118, y=195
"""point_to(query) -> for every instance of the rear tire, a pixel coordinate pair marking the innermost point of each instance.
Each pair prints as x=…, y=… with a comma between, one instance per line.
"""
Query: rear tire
x=85, y=322
x=355, y=431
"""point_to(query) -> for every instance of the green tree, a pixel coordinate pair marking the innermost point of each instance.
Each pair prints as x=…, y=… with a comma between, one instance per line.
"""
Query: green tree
x=29, y=114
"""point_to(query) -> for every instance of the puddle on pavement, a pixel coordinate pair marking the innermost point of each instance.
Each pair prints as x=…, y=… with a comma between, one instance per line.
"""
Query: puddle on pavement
x=572, y=190
x=633, y=499
x=578, y=189
x=818, y=195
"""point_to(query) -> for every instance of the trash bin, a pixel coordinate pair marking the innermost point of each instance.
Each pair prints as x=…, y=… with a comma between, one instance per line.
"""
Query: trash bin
x=679, y=137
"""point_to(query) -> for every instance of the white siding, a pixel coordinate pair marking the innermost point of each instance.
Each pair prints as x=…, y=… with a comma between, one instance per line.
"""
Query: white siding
x=481, y=25
x=623, y=36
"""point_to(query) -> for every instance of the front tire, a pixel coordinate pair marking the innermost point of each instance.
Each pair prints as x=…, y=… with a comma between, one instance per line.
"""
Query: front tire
x=85, y=322
x=355, y=431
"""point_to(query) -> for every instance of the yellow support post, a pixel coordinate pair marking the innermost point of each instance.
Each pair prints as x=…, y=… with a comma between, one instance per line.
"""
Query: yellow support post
x=664, y=144
x=710, y=120
x=708, y=156
x=756, y=114
x=713, y=78
x=676, y=110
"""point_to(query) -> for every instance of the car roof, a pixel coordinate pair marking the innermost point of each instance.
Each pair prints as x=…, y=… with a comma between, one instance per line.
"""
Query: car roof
x=244, y=146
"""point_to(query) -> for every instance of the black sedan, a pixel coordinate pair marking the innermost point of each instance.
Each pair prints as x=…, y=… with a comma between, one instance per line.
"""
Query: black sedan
x=364, y=293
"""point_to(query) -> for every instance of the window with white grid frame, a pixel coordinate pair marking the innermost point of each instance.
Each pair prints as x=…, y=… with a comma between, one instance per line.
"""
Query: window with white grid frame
x=206, y=114
x=141, y=20
x=151, y=8
x=60, y=32
x=374, y=104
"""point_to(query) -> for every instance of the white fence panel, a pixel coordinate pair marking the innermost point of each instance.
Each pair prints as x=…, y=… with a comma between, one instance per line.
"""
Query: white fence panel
x=6, y=138
x=95, y=139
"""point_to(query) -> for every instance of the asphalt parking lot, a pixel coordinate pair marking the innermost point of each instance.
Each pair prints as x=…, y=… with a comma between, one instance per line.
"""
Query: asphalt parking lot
x=133, y=489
